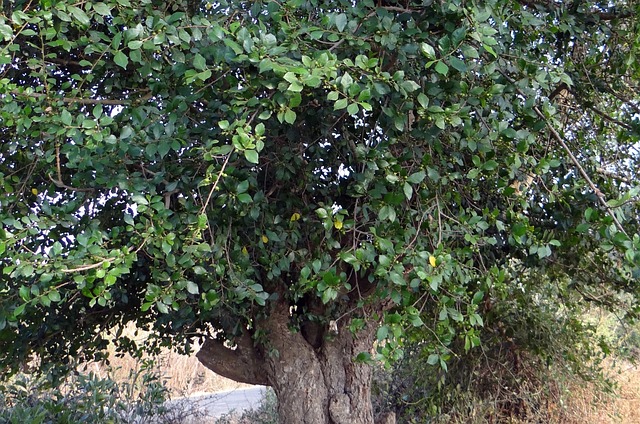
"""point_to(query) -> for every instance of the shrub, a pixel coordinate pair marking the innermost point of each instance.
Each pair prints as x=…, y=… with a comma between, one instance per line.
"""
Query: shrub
x=534, y=347
x=80, y=397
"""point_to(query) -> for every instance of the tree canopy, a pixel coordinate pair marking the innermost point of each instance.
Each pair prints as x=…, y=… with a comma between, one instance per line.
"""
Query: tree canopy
x=228, y=171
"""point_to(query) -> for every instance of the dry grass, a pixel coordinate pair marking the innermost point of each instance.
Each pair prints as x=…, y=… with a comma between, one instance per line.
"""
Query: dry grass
x=586, y=403
x=623, y=407
x=183, y=375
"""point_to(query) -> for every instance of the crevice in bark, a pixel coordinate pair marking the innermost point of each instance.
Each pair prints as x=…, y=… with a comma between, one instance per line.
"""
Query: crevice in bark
x=349, y=382
x=242, y=364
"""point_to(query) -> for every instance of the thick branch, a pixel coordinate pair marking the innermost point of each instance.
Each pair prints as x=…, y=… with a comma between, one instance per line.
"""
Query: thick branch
x=242, y=364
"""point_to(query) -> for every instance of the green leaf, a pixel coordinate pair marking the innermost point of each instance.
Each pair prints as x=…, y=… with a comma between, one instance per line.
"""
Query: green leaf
x=27, y=270
x=265, y=65
x=416, y=321
x=408, y=190
x=417, y=177
x=423, y=100
x=5, y=31
x=455, y=314
x=251, y=156
x=66, y=117
x=295, y=87
x=341, y=21
x=245, y=198
x=329, y=294
x=79, y=15
x=204, y=75
x=163, y=148
x=490, y=165
x=88, y=123
x=199, y=62
x=139, y=199
x=295, y=100
x=490, y=50
x=409, y=86
x=24, y=293
x=264, y=115
x=433, y=359
x=54, y=296
x=428, y=51
x=162, y=308
x=519, y=229
x=101, y=9
x=19, y=310
x=382, y=333
x=457, y=64
x=340, y=104
x=121, y=59
x=192, y=287
x=353, y=109
x=290, y=116
x=134, y=44
x=442, y=68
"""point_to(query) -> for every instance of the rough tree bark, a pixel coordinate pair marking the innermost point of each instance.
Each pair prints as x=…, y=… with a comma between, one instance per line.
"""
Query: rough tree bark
x=314, y=384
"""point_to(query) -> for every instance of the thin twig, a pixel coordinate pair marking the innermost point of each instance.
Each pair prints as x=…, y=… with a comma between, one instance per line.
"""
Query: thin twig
x=215, y=184
x=611, y=118
x=88, y=267
x=584, y=174
x=439, y=221
x=101, y=263
x=59, y=182
x=85, y=101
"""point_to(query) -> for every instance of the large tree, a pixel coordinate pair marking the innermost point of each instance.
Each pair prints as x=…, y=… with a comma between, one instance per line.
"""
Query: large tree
x=288, y=182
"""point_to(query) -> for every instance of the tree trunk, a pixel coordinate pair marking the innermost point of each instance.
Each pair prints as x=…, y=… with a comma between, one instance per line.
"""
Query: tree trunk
x=314, y=385
x=322, y=385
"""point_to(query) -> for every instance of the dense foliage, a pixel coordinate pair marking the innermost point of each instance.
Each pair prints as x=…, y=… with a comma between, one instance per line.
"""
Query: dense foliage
x=86, y=398
x=540, y=354
x=195, y=166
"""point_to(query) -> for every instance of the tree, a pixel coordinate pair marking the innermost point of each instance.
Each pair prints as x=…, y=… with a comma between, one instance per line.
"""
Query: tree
x=290, y=182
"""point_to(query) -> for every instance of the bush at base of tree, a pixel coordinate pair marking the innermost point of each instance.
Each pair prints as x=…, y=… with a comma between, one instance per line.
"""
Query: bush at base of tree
x=534, y=348
x=87, y=398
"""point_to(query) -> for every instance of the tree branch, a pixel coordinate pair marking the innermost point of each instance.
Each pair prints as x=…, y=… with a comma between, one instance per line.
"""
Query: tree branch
x=85, y=101
x=242, y=364
x=610, y=118
x=563, y=87
x=572, y=157
x=615, y=176
x=602, y=15
x=59, y=182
